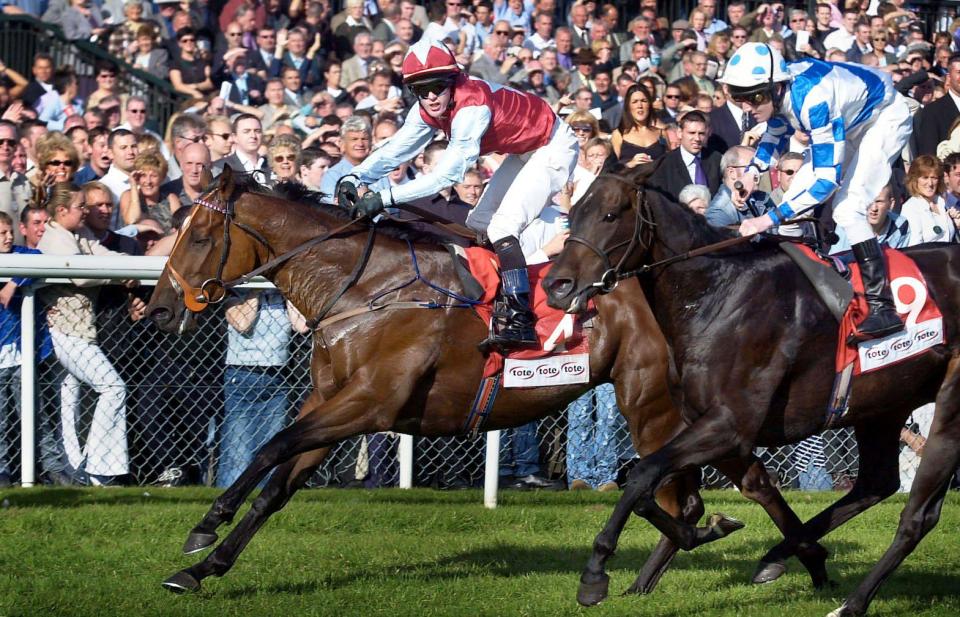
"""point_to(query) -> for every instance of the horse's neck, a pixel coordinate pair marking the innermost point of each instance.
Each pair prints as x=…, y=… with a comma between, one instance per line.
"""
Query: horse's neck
x=315, y=277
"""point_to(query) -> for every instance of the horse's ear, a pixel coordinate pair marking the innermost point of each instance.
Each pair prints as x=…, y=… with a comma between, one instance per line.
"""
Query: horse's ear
x=641, y=173
x=225, y=182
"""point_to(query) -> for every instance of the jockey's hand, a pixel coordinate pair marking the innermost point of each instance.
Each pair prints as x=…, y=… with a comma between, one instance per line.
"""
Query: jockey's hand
x=751, y=227
x=370, y=205
x=347, y=194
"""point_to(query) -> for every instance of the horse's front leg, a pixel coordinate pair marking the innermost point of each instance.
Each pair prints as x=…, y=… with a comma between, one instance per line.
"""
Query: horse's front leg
x=368, y=403
x=225, y=506
x=287, y=480
x=700, y=443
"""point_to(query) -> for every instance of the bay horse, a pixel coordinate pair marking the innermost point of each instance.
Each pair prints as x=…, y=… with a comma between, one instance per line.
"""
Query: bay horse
x=413, y=370
x=753, y=351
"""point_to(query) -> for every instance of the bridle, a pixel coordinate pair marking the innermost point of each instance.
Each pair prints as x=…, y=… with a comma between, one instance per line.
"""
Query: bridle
x=642, y=236
x=214, y=290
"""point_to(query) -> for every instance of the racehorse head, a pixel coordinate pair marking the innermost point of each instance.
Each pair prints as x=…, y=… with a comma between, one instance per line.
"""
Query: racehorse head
x=611, y=231
x=205, y=256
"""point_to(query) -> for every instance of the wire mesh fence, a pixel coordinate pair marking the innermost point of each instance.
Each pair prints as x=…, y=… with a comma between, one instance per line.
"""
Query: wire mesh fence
x=118, y=401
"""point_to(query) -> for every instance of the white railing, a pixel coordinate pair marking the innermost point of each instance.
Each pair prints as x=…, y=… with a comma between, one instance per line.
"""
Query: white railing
x=45, y=269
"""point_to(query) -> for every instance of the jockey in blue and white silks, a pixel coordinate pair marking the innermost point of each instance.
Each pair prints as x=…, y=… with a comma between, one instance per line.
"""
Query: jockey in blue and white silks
x=858, y=125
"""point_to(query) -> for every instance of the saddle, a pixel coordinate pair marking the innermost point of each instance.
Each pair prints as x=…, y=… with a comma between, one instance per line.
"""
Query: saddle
x=841, y=290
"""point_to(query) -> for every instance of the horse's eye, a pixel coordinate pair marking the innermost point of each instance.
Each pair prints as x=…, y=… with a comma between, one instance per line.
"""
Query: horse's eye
x=201, y=240
x=610, y=217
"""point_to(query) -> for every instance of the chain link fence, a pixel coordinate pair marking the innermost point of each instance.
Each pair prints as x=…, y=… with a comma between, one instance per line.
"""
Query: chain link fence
x=118, y=401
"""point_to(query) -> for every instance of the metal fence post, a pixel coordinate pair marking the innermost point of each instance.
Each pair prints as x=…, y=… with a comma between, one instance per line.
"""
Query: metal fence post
x=405, y=454
x=28, y=362
x=491, y=471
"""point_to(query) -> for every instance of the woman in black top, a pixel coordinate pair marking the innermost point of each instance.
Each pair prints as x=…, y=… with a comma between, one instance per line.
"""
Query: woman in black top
x=190, y=73
x=638, y=140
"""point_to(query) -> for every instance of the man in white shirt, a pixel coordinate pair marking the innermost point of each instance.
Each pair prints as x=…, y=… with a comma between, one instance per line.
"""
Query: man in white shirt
x=543, y=37
x=123, y=147
x=247, y=136
x=843, y=37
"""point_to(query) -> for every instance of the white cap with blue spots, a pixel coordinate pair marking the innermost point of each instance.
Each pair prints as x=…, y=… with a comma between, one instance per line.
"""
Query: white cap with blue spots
x=753, y=65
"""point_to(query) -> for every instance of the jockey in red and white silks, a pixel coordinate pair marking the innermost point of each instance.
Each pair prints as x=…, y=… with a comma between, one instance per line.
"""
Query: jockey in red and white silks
x=478, y=118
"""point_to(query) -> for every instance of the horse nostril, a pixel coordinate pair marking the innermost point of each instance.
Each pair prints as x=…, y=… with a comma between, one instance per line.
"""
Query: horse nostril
x=160, y=315
x=560, y=287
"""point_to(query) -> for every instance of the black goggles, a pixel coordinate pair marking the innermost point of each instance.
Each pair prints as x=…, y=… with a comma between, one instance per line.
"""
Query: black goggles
x=424, y=89
x=753, y=98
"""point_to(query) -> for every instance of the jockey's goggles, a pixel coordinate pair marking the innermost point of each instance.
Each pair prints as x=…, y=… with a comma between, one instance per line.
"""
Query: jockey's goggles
x=423, y=89
x=755, y=99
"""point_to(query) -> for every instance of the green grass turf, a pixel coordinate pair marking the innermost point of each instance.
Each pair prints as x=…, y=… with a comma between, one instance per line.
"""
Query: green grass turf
x=104, y=552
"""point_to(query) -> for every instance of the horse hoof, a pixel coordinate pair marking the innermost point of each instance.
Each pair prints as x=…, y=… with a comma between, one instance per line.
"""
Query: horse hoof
x=197, y=541
x=843, y=611
x=768, y=572
x=591, y=594
x=182, y=582
x=724, y=525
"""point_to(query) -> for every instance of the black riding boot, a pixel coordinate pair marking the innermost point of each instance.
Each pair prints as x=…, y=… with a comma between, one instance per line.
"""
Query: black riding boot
x=513, y=320
x=882, y=320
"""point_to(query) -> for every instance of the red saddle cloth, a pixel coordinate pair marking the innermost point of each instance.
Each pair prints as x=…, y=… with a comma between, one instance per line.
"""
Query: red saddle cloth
x=557, y=332
x=923, y=320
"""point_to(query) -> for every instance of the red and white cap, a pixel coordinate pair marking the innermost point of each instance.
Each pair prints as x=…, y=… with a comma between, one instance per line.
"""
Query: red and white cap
x=428, y=59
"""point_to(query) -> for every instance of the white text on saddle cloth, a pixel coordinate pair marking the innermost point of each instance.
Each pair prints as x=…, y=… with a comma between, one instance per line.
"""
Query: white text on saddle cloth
x=918, y=336
x=555, y=370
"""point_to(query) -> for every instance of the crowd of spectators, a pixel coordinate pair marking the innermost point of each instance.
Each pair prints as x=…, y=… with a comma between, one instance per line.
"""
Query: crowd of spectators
x=303, y=90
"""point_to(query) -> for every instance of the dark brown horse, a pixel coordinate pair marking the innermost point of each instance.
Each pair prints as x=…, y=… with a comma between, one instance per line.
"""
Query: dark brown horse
x=407, y=370
x=754, y=354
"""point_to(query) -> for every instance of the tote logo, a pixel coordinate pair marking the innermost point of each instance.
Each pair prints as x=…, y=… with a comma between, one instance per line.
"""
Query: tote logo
x=917, y=338
x=549, y=371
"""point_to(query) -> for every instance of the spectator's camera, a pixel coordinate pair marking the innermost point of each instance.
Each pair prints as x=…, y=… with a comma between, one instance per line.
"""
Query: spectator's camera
x=513, y=51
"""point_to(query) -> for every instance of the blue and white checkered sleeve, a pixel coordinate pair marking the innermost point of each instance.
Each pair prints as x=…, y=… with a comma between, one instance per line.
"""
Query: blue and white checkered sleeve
x=822, y=175
x=773, y=141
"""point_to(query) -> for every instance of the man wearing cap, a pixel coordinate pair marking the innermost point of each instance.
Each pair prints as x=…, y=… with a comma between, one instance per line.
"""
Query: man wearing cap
x=480, y=118
x=583, y=76
x=858, y=125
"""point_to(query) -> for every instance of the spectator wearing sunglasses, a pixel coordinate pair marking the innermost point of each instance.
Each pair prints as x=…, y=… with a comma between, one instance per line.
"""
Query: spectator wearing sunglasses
x=57, y=158
x=284, y=158
x=191, y=72
x=787, y=167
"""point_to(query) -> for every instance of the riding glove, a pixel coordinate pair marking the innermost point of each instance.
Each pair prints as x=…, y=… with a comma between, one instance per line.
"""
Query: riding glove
x=369, y=205
x=347, y=194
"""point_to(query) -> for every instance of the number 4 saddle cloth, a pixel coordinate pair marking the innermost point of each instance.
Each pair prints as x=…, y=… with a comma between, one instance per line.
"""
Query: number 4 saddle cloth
x=560, y=334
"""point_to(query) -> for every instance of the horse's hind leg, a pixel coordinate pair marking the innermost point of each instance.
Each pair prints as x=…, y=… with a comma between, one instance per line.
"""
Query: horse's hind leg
x=752, y=479
x=287, y=480
x=878, y=445
x=225, y=506
x=941, y=454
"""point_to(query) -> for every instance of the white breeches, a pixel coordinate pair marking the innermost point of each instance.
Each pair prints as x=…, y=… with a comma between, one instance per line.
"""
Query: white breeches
x=871, y=150
x=524, y=184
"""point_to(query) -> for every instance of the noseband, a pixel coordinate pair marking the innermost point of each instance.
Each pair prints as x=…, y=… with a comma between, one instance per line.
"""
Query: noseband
x=643, y=226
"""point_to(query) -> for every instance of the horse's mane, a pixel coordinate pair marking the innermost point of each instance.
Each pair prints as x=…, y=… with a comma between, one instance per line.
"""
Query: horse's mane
x=696, y=228
x=294, y=191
